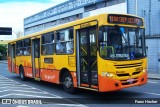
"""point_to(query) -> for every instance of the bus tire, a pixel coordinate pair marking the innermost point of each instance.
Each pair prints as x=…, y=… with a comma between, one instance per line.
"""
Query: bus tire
x=68, y=83
x=22, y=76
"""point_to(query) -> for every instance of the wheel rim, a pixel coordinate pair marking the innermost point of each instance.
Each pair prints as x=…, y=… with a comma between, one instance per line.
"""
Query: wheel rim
x=68, y=82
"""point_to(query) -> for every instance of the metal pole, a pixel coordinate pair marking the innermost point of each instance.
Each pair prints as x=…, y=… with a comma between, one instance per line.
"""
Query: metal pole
x=149, y=18
x=136, y=7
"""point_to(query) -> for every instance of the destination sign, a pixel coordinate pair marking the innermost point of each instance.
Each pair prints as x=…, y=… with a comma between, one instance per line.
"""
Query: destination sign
x=125, y=19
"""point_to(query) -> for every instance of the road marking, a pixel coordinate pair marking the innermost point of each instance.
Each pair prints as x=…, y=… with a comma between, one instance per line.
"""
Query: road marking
x=6, y=82
x=22, y=106
x=35, y=96
x=33, y=87
x=5, y=95
x=23, y=91
x=54, y=96
x=17, y=87
x=71, y=105
x=149, y=93
x=12, y=85
x=5, y=79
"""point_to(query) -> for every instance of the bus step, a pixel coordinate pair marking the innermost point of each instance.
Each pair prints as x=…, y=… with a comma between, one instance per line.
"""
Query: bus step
x=37, y=79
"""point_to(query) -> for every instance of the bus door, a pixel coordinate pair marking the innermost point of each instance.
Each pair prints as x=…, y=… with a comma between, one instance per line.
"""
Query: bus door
x=87, y=58
x=13, y=61
x=36, y=58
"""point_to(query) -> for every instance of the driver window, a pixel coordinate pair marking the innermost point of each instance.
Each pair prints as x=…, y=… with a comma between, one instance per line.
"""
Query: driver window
x=103, y=42
x=132, y=38
x=115, y=40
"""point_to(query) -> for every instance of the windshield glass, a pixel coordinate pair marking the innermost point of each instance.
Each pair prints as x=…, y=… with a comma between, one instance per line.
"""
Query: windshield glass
x=121, y=43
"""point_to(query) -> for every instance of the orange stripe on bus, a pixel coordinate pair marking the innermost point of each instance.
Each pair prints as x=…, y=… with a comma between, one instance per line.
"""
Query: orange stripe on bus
x=85, y=85
x=74, y=78
x=93, y=86
x=50, y=75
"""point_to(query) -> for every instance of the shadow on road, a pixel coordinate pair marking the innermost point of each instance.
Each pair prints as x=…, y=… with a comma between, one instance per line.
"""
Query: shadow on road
x=83, y=96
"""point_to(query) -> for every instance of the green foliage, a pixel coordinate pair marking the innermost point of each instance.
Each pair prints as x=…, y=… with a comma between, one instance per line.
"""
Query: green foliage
x=3, y=50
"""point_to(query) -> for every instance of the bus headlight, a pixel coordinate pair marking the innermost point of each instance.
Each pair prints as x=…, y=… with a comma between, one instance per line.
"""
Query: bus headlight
x=145, y=70
x=107, y=74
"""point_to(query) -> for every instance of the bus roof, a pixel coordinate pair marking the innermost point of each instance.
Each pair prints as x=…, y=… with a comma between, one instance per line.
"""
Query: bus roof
x=69, y=24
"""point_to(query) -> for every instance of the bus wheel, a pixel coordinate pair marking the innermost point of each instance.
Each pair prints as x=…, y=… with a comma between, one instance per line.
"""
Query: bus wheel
x=22, y=76
x=68, y=83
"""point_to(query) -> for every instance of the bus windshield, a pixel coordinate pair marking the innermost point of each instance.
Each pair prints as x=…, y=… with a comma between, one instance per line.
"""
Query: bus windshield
x=121, y=43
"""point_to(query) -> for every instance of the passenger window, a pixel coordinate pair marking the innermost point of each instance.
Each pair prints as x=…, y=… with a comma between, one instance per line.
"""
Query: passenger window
x=19, y=48
x=27, y=47
x=47, y=44
x=64, y=43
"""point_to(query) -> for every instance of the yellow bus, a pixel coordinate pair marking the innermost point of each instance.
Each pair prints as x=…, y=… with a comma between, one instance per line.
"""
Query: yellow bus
x=103, y=53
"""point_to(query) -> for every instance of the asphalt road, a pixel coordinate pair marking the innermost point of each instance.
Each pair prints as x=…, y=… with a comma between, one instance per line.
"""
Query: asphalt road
x=12, y=87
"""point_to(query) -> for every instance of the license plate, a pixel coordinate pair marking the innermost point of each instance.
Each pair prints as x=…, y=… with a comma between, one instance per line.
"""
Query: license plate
x=130, y=80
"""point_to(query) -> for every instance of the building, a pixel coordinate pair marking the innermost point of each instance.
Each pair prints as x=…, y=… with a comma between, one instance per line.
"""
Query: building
x=76, y=9
x=69, y=11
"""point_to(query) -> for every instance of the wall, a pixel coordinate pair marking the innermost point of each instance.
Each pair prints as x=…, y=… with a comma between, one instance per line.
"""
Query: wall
x=150, y=11
x=118, y=8
x=153, y=45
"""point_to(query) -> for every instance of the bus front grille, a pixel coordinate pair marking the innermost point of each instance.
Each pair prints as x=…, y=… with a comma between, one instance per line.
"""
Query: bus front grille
x=121, y=75
x=135, y=73
x=128, y=65
x=127, y=74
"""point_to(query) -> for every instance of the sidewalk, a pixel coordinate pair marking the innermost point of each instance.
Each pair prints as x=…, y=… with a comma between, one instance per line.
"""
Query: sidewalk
x=150, y=76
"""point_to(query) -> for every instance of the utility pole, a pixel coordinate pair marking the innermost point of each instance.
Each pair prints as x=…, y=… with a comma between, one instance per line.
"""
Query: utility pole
x=136, y=8
x=149, y=17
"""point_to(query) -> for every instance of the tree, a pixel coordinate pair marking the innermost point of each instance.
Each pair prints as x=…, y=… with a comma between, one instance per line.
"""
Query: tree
x=3, y=50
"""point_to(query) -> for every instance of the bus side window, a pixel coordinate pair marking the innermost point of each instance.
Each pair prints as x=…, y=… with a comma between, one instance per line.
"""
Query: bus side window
x=47, y=44
x=64, y=43
x=27, y=47
x=19, y=48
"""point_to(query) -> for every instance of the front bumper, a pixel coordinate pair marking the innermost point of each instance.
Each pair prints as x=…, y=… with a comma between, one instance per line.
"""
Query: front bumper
x=110, y=84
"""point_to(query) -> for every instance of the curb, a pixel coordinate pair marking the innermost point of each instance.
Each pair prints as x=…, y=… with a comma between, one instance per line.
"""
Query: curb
x=154, y=76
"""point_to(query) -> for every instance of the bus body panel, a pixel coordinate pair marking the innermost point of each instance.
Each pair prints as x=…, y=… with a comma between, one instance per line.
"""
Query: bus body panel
x=9, y=64
x=27, y=65
x=119, y=78
x=50, y=75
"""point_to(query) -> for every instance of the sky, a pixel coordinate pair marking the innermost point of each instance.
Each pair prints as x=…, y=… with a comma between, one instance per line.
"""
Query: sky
x=13, y=12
